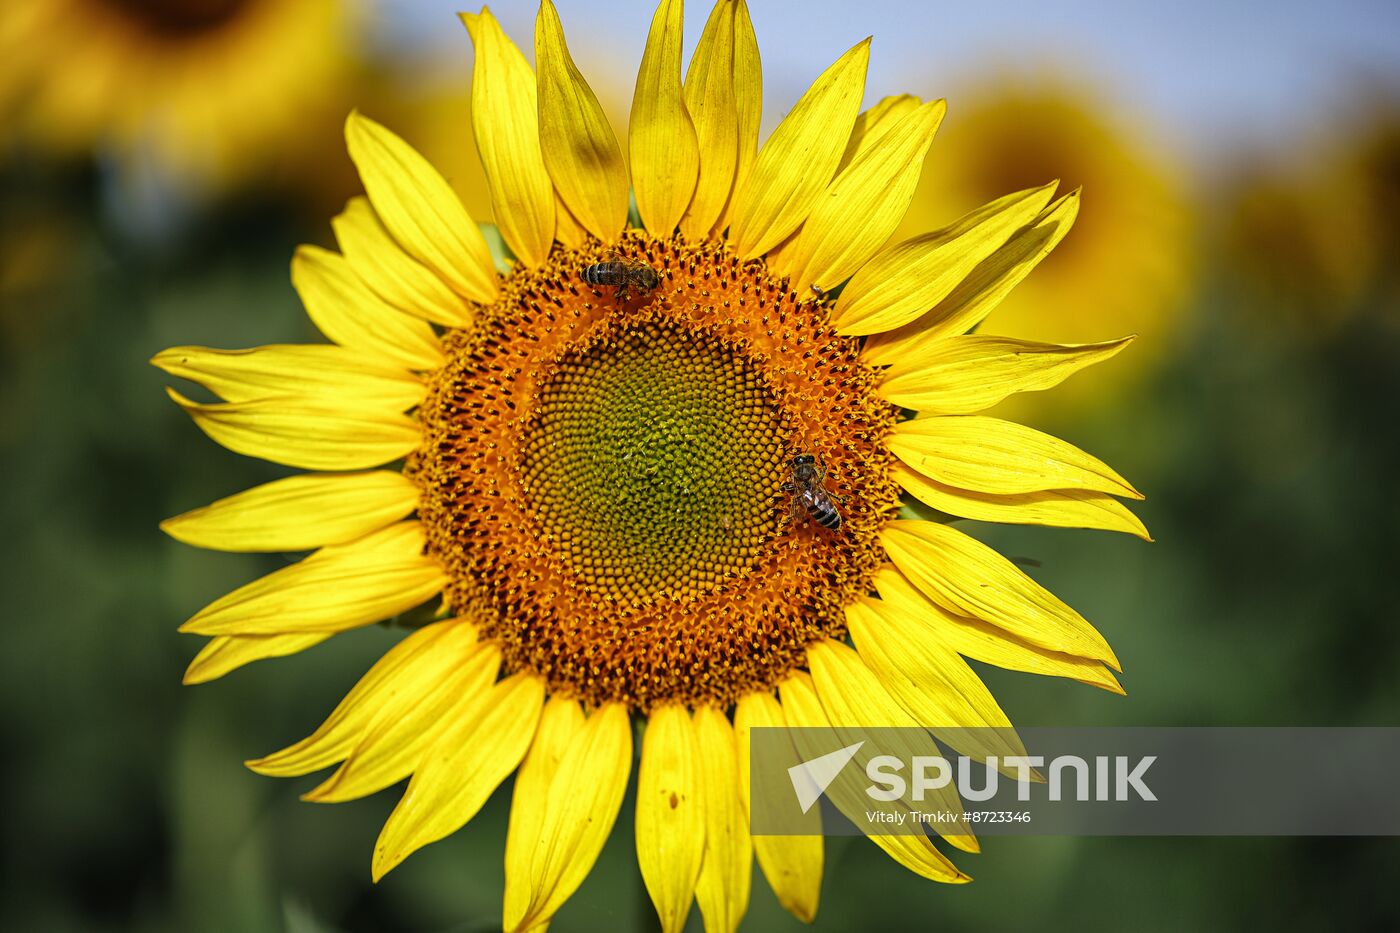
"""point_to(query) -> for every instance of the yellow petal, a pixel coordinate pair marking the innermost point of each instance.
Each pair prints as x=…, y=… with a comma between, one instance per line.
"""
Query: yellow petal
x=298, y=513
x=860, y=209
x=419, y=207
x=337, y=588
x=779, y=258
x=560, y=722
x=396, y=277
x=919, y=855
x=874, y=123
x=930, y=681
x=225, y=653
x=967, y=373
x=670, y=814
x=582, y=805
x=906, y=279
x=983, y=288
x=966, y=577
x=420, y=658
x=800, y=158
x=580, y=150
x=803, y=709
x=853, y=697
x=710, y=101
x=660, y=135
x=506, y=122
x=408, y=724
x=469, y=760
x=981, y=641
x=723, y=888
x=313, y=434
x=567, y=229
x=748, y=105
x=792, y=864
x=320, y=371
x=990, y=455
x=344, y=309
x=1057, y=508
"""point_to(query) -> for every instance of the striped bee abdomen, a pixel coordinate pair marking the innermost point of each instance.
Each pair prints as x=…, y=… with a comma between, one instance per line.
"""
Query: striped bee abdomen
x=606, y=273
x=820, y=507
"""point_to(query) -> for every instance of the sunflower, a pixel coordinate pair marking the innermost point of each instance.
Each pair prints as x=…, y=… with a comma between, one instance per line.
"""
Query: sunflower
x=1129, y=264
x=1299, y=247
x=209, y=90
x=1312, y=236
x=593, y=520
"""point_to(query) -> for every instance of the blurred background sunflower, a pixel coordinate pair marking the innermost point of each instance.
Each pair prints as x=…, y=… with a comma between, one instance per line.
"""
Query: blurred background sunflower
x=1126, y=269
x=1260, y=427
x=1312, y=231
x=199, y=93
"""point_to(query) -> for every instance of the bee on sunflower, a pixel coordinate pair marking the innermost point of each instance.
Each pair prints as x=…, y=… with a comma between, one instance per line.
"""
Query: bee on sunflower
x=586, y=488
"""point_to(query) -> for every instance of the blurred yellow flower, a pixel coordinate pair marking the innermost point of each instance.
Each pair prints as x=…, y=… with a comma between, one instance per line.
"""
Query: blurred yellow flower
x=1373, y=175
x=1301, y=255
x=649, y=472
x=1313, y=235
x=209, y=91
x=1128, y=267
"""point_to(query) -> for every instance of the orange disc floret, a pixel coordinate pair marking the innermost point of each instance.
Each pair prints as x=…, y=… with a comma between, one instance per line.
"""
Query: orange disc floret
x=602, y=478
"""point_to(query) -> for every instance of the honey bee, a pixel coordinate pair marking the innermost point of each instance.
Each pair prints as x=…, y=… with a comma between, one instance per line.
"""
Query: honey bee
x=808, y=492
x=623, y=274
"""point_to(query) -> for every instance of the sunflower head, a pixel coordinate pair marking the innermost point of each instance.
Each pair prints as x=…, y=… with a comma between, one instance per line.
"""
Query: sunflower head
x=615, y=470
x=652, y=471
x=209, y=92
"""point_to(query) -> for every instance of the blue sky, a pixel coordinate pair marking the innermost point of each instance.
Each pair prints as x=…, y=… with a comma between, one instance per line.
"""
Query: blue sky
x=1210, y=76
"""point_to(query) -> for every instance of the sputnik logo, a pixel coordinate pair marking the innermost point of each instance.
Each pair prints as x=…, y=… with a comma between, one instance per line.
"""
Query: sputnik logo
x=810, y=779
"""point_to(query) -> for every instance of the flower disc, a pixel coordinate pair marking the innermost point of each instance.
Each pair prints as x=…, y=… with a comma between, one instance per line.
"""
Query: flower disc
x=649, y=461
x=603, y=476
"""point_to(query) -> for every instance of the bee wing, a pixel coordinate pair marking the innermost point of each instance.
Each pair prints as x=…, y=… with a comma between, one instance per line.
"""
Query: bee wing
x=797, y=509
x=799, y=500
x=632, y=266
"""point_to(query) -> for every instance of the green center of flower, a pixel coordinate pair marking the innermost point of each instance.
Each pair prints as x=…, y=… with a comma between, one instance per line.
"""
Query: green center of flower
x=653, y=461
